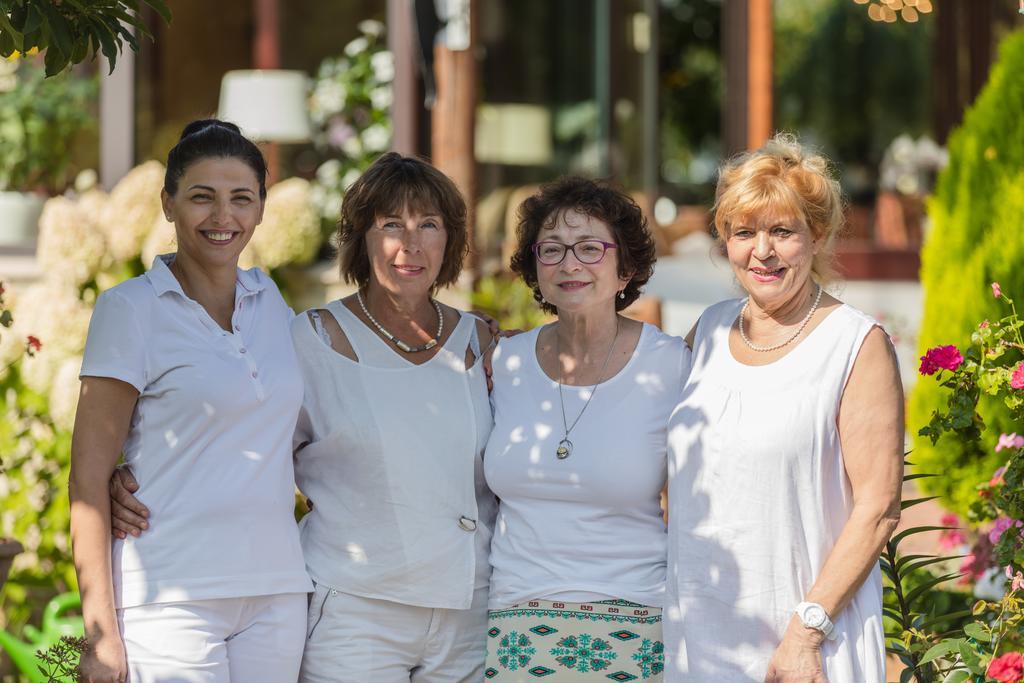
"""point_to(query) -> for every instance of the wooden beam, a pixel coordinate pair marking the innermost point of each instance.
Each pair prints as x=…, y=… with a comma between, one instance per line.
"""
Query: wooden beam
x=405, y=106
x=747, y=48
x=266, y=54
x=453, y=121
x=759, y=70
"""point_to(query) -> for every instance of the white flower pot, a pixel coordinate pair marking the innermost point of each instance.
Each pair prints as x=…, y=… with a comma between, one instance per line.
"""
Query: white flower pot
x=19, y=218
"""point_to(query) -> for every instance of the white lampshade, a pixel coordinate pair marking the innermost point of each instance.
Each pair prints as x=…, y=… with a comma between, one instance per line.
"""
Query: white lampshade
x=513, y=134
x=268, y=105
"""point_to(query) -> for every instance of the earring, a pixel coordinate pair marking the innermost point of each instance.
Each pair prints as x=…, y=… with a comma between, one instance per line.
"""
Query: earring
x=622, y=294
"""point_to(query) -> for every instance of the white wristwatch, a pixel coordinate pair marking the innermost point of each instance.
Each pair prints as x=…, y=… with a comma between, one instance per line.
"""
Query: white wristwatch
x=814, y=616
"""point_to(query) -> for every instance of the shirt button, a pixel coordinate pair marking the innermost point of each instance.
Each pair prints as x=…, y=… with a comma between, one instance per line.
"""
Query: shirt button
x=241, y=350
x=238, y=328
x=467, y=524
x=255, y=374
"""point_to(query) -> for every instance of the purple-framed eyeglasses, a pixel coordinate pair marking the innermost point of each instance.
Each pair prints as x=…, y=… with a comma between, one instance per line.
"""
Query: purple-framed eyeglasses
x=551, y=253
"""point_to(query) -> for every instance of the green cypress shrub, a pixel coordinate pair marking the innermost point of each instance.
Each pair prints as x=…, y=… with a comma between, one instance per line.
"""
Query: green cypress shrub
x=976, y=238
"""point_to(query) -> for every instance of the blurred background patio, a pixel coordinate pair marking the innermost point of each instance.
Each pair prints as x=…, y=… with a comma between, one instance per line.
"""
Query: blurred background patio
x=500, y=94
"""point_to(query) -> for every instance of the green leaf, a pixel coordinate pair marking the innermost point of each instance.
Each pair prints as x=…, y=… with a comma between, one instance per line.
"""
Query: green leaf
x=55, y=60
x=108, y=42
x=162, y=9
x=895, y=540
x=957, y=676
x=919, y=475
x=928, y=585
x=929, y=623
x=60, y=31
x=915, y=501
x=16, y=36
x=978, y=631
x=907, y=676
x=970, y=658
x=906, y=569
x=946, y=647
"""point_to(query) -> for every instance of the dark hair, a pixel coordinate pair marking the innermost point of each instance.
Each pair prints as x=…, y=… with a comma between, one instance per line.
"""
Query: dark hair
x=599, y=200
x=207, y=138
x=392, y=183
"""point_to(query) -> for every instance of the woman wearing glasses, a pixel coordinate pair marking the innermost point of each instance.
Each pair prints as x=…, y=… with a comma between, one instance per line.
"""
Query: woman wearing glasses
x=577, y=453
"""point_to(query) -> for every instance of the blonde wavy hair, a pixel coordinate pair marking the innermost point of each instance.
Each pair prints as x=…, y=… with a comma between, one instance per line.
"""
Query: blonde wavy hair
x=788, y=179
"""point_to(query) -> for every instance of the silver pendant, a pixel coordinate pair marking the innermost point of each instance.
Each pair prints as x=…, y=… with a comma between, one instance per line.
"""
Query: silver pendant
x=564, y=449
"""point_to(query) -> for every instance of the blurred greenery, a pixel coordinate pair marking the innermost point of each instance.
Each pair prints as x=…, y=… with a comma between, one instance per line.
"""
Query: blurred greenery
x=977, y=237
x=509, y=301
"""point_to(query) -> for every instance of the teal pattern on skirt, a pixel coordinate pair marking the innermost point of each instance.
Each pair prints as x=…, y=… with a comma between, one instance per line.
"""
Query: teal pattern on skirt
x=611, y=640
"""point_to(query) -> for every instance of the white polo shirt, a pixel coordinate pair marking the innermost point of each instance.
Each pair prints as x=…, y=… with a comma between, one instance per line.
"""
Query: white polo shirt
x=210, y=439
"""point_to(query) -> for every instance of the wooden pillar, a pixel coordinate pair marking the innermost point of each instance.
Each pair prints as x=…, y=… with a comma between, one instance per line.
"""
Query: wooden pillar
x=747, y=47
x=266, y=54
x=454, y=115
x=405, y=106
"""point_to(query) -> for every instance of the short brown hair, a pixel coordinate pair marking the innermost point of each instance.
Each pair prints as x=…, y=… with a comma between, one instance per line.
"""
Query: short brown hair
x=392, y=183
x=599, y=200
x=783, y=175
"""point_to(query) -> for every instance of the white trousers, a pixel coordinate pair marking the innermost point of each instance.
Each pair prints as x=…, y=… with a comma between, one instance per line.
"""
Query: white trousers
x=244, y=640
x=353, y=639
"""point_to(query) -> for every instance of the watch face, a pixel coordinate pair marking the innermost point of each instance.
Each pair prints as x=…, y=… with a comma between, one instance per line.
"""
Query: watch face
x=814, y=616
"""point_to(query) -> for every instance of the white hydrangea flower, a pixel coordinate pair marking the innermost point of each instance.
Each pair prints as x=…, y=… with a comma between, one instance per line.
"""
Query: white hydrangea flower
x=350, y=177
x=329, y=96
x=64, y=393
x=290, y=232
x=329, y=172
x=383, y=64
x=70, y=249
x=353, y=146
x=52, y=312
x=371, y=27
x=381, y=97
x=376, y=138
x=132, y=209
x=357, y=46
x=161, y=240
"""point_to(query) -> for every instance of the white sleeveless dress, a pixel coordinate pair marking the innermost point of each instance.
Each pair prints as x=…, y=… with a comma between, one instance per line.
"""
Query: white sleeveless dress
x=758, y=496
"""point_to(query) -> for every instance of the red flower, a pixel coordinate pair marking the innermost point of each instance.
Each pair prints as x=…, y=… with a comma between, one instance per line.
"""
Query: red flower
x=1017, y=378
x=997, y=291
x=943, y=358
x=1008, y=668
x=33, y=345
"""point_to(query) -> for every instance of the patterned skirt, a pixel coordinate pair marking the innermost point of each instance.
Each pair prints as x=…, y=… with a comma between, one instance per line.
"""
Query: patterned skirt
x=611, y=640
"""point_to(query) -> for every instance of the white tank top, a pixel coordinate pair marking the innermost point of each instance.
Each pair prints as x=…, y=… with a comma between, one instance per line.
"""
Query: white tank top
x=758, y=496
x=588, y=527
x=393, y=466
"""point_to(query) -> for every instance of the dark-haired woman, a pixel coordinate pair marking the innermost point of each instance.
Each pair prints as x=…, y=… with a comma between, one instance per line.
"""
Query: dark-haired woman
x=190, y=372
x=577, y=455
x=391, y=435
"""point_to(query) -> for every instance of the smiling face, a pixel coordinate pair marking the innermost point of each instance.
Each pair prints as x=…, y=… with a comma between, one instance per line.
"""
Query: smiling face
x=573, y=286
x=215, y=210
x=406, y=251
x=771, y=256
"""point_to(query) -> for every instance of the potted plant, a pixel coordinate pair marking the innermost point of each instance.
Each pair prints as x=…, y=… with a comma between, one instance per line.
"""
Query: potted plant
x=39, y=120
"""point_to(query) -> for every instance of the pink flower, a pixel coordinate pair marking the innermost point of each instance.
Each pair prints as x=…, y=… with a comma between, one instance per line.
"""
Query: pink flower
x=952, y=537
x=997, y=291
x=1001, y=526
x=1016, y=580
x=1009, y=441
x=984, y=325
x=1017, y=378
x=943, y=358
x=997, y=477
x=977, y=561
x=1008, y=668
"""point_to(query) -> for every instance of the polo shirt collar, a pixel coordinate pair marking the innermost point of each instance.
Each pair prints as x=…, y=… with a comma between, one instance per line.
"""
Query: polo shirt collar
x=163, y=280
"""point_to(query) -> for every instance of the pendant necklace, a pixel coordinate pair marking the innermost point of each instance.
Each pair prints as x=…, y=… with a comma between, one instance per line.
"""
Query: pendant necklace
x=564, y=449
x=398, y=342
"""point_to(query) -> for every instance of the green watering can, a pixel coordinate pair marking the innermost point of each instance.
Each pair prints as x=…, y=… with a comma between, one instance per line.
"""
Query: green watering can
x=54, y=626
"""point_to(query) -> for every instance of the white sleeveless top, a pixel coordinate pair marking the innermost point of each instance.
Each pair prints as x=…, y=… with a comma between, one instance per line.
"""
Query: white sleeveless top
x=393, y=466
x=588, y=527
x=758, y=496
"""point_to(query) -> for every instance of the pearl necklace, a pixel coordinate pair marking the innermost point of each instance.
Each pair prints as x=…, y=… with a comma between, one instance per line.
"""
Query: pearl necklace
x=398, y=342
x=803, y=324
